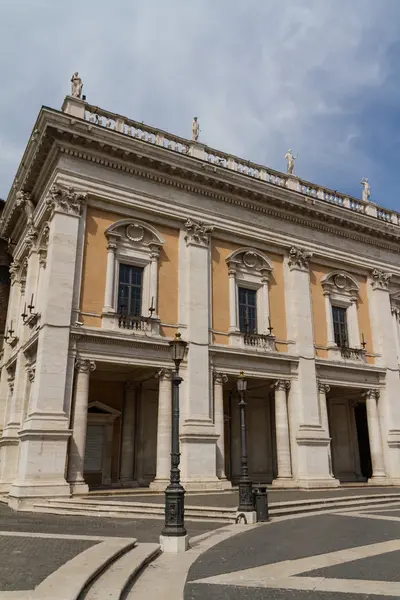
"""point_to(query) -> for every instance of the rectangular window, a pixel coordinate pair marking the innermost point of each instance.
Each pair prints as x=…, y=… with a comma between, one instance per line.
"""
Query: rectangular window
x=340, y=326
x=247, y=310
x=130, y=290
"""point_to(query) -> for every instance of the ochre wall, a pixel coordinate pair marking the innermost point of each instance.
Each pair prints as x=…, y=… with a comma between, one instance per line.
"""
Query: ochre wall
x=317, y=272
x=220, y=250
x=95, y=268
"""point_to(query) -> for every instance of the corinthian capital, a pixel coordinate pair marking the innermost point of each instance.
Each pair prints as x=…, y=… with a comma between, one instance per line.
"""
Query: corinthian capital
x=66, y=201
x=299, y=258
x=84, y=365
x=380, y=280
x=197, y=233
x=281, y=385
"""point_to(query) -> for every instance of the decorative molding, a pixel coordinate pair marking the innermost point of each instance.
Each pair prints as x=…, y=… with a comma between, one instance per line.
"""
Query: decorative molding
x=43, y=243
x=220, y=378
x=135, y=233
x=251, y=260
x=323, y=388
x=23, y=200
x=67, y=201
x=165, y=374
x=14, y=269
x=381, y=280
x=372, y=393
x=85, y=365
x=340, y=283
x=299, y=259
x=197, y=233
x=31, y=371
x=281, y=385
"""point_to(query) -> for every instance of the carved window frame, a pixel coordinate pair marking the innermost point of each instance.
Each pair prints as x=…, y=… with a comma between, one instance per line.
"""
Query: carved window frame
x=342, y=290
x=135, y=243
x=251, y=269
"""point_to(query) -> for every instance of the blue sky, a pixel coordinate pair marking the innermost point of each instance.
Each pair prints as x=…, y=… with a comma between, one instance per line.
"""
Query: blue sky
x=319, y=76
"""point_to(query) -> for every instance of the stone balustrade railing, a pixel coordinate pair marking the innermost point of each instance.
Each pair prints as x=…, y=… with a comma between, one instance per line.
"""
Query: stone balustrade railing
x=216, y=158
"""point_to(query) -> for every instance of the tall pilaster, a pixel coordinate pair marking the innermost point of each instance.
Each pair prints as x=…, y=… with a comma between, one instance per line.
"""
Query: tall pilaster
x=385, y=344
x=323, y=390
x=198, y=462
x=79, y=426
x=312, y=462
x=45, y=434
x=128, y=435
x=284, y=475
x=164, y=430
x=375, y=439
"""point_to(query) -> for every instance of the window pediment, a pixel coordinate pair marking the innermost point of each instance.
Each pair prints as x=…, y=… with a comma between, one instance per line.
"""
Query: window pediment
x=250, y=261
x=340, y=284
x=135, y=233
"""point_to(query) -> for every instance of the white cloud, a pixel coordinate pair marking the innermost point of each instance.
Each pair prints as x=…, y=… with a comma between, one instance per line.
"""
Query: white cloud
x=262, y=75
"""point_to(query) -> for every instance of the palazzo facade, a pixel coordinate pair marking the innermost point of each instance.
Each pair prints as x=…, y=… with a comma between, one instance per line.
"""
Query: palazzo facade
x=123, y=235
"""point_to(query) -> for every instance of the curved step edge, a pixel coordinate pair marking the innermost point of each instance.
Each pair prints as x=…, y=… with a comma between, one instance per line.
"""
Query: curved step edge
x=67, y=582
x=112, y=582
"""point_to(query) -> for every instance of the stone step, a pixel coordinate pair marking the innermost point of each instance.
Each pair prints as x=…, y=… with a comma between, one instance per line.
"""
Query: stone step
x=68, y=582
x=206, y=513
x=112, y=583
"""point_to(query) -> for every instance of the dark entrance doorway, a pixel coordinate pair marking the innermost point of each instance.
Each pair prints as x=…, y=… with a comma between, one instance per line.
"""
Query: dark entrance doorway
x=360, y=411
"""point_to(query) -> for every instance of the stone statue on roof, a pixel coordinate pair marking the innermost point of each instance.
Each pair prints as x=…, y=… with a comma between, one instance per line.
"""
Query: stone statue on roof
x=195, y=129
x=77, y=85
x=366, y=189
x=290, y=160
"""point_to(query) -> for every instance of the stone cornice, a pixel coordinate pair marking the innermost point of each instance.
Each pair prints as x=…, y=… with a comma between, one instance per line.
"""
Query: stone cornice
x=113, y=150
x=107, y=338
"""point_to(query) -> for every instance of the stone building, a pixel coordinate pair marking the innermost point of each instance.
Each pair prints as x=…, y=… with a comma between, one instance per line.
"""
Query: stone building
x=123, y=235
x=4, y=279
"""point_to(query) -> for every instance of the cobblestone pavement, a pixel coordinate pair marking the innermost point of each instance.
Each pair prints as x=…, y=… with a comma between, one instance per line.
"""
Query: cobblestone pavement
x=230, y=499
x=343, y=555
x=25, y=560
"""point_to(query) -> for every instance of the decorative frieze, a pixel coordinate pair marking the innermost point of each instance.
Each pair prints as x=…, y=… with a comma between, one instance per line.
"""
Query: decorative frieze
x=299, y=258
x=68, y=201
x=380, y=280
x=197, y=233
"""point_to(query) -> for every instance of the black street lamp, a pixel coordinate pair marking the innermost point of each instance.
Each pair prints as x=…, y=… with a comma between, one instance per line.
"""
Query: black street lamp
x=175, y=493
x=245, y=485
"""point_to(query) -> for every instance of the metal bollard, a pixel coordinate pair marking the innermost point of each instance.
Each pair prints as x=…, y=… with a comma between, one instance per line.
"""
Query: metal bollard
x=260, y=500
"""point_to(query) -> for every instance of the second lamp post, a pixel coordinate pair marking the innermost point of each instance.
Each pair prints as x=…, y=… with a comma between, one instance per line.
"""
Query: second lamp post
x=245, y=485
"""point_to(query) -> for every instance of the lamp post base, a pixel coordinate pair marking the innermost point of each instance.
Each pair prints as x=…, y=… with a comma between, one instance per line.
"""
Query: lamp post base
x=246, y=517
x=174, y=544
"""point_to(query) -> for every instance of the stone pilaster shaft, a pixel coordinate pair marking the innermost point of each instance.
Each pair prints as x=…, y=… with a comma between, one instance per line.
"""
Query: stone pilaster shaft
x=374, y=432
x=282, y=429
x=79, y=421
x=164, y=426
x=219, y=380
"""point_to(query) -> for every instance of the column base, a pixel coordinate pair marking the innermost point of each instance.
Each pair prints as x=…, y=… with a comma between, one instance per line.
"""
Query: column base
x=212, y=485
x=309, y=484
x=78, y=488
x=379, y=480
x=284, y=482
x=22, y=496
x=246, y=518
x=174, y=544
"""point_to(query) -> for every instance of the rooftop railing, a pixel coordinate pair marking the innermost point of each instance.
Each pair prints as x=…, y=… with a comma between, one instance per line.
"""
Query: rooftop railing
x=157, y=137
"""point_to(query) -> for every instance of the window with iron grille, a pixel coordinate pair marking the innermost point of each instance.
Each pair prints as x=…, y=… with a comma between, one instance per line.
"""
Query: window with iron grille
x=247, y=310
x=340, y=326
x=130, y=290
